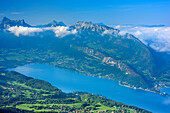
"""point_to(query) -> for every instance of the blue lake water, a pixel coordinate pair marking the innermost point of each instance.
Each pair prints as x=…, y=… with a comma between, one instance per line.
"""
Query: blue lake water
x=70, y=81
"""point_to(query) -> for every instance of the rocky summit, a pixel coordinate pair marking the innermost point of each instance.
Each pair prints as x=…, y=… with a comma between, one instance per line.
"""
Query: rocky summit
x=6, y=23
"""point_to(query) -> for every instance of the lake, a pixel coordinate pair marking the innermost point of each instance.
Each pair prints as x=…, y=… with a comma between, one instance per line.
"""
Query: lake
x=70, y=81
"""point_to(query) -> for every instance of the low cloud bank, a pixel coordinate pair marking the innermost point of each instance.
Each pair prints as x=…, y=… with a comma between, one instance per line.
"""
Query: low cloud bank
x=109, y=32
x=60, y=31
x=24, y=30
x=157, y=37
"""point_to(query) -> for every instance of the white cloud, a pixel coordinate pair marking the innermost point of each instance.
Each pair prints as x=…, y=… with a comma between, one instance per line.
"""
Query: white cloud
x=109, y=32
x=16, y=13
x=60, y=31
x=24, y=30
x=122, y=32
x=157, y=37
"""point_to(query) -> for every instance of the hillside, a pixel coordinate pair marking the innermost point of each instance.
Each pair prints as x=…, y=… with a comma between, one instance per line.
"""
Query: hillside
x=90, y=49
x=19, y=93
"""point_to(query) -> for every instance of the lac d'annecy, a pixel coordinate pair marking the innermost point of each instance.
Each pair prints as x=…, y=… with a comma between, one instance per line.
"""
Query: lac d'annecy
x=70, y=81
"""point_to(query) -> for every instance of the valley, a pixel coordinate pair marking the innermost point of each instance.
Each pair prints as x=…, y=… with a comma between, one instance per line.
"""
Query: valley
x=85, y=48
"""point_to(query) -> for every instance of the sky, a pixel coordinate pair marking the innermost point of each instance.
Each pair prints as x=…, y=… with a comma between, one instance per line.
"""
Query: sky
x=109, y=12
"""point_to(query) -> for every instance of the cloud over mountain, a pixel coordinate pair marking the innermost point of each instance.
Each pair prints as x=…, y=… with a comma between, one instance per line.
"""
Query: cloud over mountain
x=24, y=30
x=107, y=32
x=60, y=31
x=157, y=37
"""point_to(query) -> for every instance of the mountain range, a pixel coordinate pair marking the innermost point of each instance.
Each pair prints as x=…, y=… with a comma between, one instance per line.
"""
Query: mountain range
x=6, y=23
x=87, y=48
x=52, y=24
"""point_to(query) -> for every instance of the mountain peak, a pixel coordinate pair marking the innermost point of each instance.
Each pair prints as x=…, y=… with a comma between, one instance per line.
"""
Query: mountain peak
x=54, y=23
x=22, y=21
x=6, y=23
x=85, y=25
x=5, y=19
x=81, y=25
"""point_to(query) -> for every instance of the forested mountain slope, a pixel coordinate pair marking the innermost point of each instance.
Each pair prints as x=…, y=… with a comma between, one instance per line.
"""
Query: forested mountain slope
x=90, y=49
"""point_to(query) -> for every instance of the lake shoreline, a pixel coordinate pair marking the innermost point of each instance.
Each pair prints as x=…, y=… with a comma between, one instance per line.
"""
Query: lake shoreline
x=121, y=84
x=71, y=81
x=157, y=92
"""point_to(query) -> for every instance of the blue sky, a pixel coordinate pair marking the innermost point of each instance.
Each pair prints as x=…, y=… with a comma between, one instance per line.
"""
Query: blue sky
x=70, y=11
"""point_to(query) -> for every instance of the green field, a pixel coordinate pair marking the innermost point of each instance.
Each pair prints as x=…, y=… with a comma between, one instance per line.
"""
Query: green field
x=18, y=92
